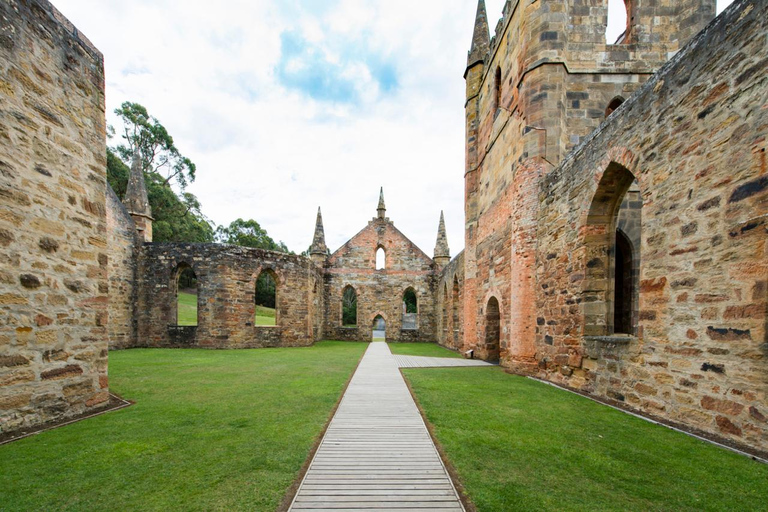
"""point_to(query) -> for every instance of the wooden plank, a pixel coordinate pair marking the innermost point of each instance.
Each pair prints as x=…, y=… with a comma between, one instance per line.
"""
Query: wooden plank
x=377, y=453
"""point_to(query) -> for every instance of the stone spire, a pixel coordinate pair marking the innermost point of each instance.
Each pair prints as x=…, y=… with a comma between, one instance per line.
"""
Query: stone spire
x=318, y=251
x=381, y=209
x=442, y=252
x=481, y=39
x=136, y=200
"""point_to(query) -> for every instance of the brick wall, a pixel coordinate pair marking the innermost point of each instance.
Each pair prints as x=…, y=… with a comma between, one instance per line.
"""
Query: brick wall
x=53, y=240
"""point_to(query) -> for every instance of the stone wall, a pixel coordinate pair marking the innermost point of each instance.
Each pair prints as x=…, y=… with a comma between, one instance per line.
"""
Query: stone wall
x=450, y=310
x=53, y=239
x=380, y=292
x=695, y=139
x=226, y=297
x=123, y=247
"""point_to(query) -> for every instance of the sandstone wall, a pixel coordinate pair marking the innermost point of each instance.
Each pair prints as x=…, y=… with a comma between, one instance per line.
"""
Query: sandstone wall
x=450, y=311
x=694, y=138
x=123, y=247
x=380, y=292
x=542, y=88
x=226, y=297
x=53, y=278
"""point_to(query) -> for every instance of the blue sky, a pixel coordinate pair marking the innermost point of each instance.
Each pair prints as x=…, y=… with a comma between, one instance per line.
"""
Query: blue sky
x=287, y=105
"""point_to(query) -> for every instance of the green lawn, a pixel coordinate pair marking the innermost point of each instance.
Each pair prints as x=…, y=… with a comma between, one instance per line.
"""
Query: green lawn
x=518, y=444
x=265, y=316
x=211, y=430
x=187, y=308
x=422, y=349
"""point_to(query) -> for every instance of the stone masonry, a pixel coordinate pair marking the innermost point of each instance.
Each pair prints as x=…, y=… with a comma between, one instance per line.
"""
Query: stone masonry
x=380, y=292
x=615, y=240
x=53, y=234
x=677, y=328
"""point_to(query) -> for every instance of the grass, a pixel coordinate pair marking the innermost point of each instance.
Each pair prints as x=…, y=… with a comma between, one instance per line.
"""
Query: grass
x=518, y=444
x=265, y=316
x=187, y=307
x=211, y=430
x=422, y=349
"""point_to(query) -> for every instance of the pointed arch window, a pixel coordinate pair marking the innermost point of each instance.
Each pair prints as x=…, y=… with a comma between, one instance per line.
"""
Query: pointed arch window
x=266, y=298
x=185, y=282
x=619, y=22
x=349, y=307
x=497, y=91
x=381, y=258
x=613, y=255
x=410, y=310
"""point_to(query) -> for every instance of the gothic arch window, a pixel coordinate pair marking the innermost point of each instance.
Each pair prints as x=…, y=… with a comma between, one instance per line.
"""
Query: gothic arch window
x=266, y=298
x=497, y=91
x=379, y=328
x=184, y=282
x=619, y=22
x=613, y=255
x=348, y=307
x=613, y=105
x=381, y=258
x=410, y=310
x=455, y=312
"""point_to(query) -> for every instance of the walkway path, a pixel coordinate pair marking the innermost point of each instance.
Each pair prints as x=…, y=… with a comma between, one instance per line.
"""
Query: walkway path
x=377, y=453
x=436, y=362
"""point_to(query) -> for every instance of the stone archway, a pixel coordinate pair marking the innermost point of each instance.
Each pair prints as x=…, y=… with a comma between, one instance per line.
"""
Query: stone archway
x=379, y=328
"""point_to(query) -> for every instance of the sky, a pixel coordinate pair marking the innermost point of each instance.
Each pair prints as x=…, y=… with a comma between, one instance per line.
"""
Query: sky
x=287, y=105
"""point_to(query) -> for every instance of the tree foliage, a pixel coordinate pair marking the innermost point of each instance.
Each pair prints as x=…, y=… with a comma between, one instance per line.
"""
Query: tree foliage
x=266, y=290
x=144, y=134
x=410, y=302
x=248, y=233
x=178, y=218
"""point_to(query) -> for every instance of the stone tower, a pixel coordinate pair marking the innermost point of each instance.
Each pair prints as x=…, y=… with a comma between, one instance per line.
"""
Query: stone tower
x=534, y=91
x=137, y=202
x=318, y=251
x=442, y=253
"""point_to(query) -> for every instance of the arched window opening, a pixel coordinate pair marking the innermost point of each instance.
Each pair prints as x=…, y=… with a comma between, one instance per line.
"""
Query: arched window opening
x=455, y=312
x=613, y=255
x=266, y=299
x=497, y=91
x=381, y=259
x=623, y=285
x=186, y=296
x=349, y=307
x=379, y=329
x=492, y=330
x=619, y=21
x=613, y=105
x=444, y=316
x=410, y=310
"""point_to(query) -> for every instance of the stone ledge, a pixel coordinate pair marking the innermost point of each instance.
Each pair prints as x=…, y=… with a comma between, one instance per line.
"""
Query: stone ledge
x=594, y=345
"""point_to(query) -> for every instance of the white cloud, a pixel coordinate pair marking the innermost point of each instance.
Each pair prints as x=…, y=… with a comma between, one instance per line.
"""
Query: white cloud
x=269, y=152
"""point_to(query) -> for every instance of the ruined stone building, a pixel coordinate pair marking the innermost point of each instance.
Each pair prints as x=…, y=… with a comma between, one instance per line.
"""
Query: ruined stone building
x=615, y=238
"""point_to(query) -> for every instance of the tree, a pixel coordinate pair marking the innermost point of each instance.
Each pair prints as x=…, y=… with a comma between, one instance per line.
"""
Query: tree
x=144, y=134
x=177, y=218
x=248, y=233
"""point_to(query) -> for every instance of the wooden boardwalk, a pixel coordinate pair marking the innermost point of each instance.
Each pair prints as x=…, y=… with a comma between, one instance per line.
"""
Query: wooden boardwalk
x=377, y=453
x=437, y=362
